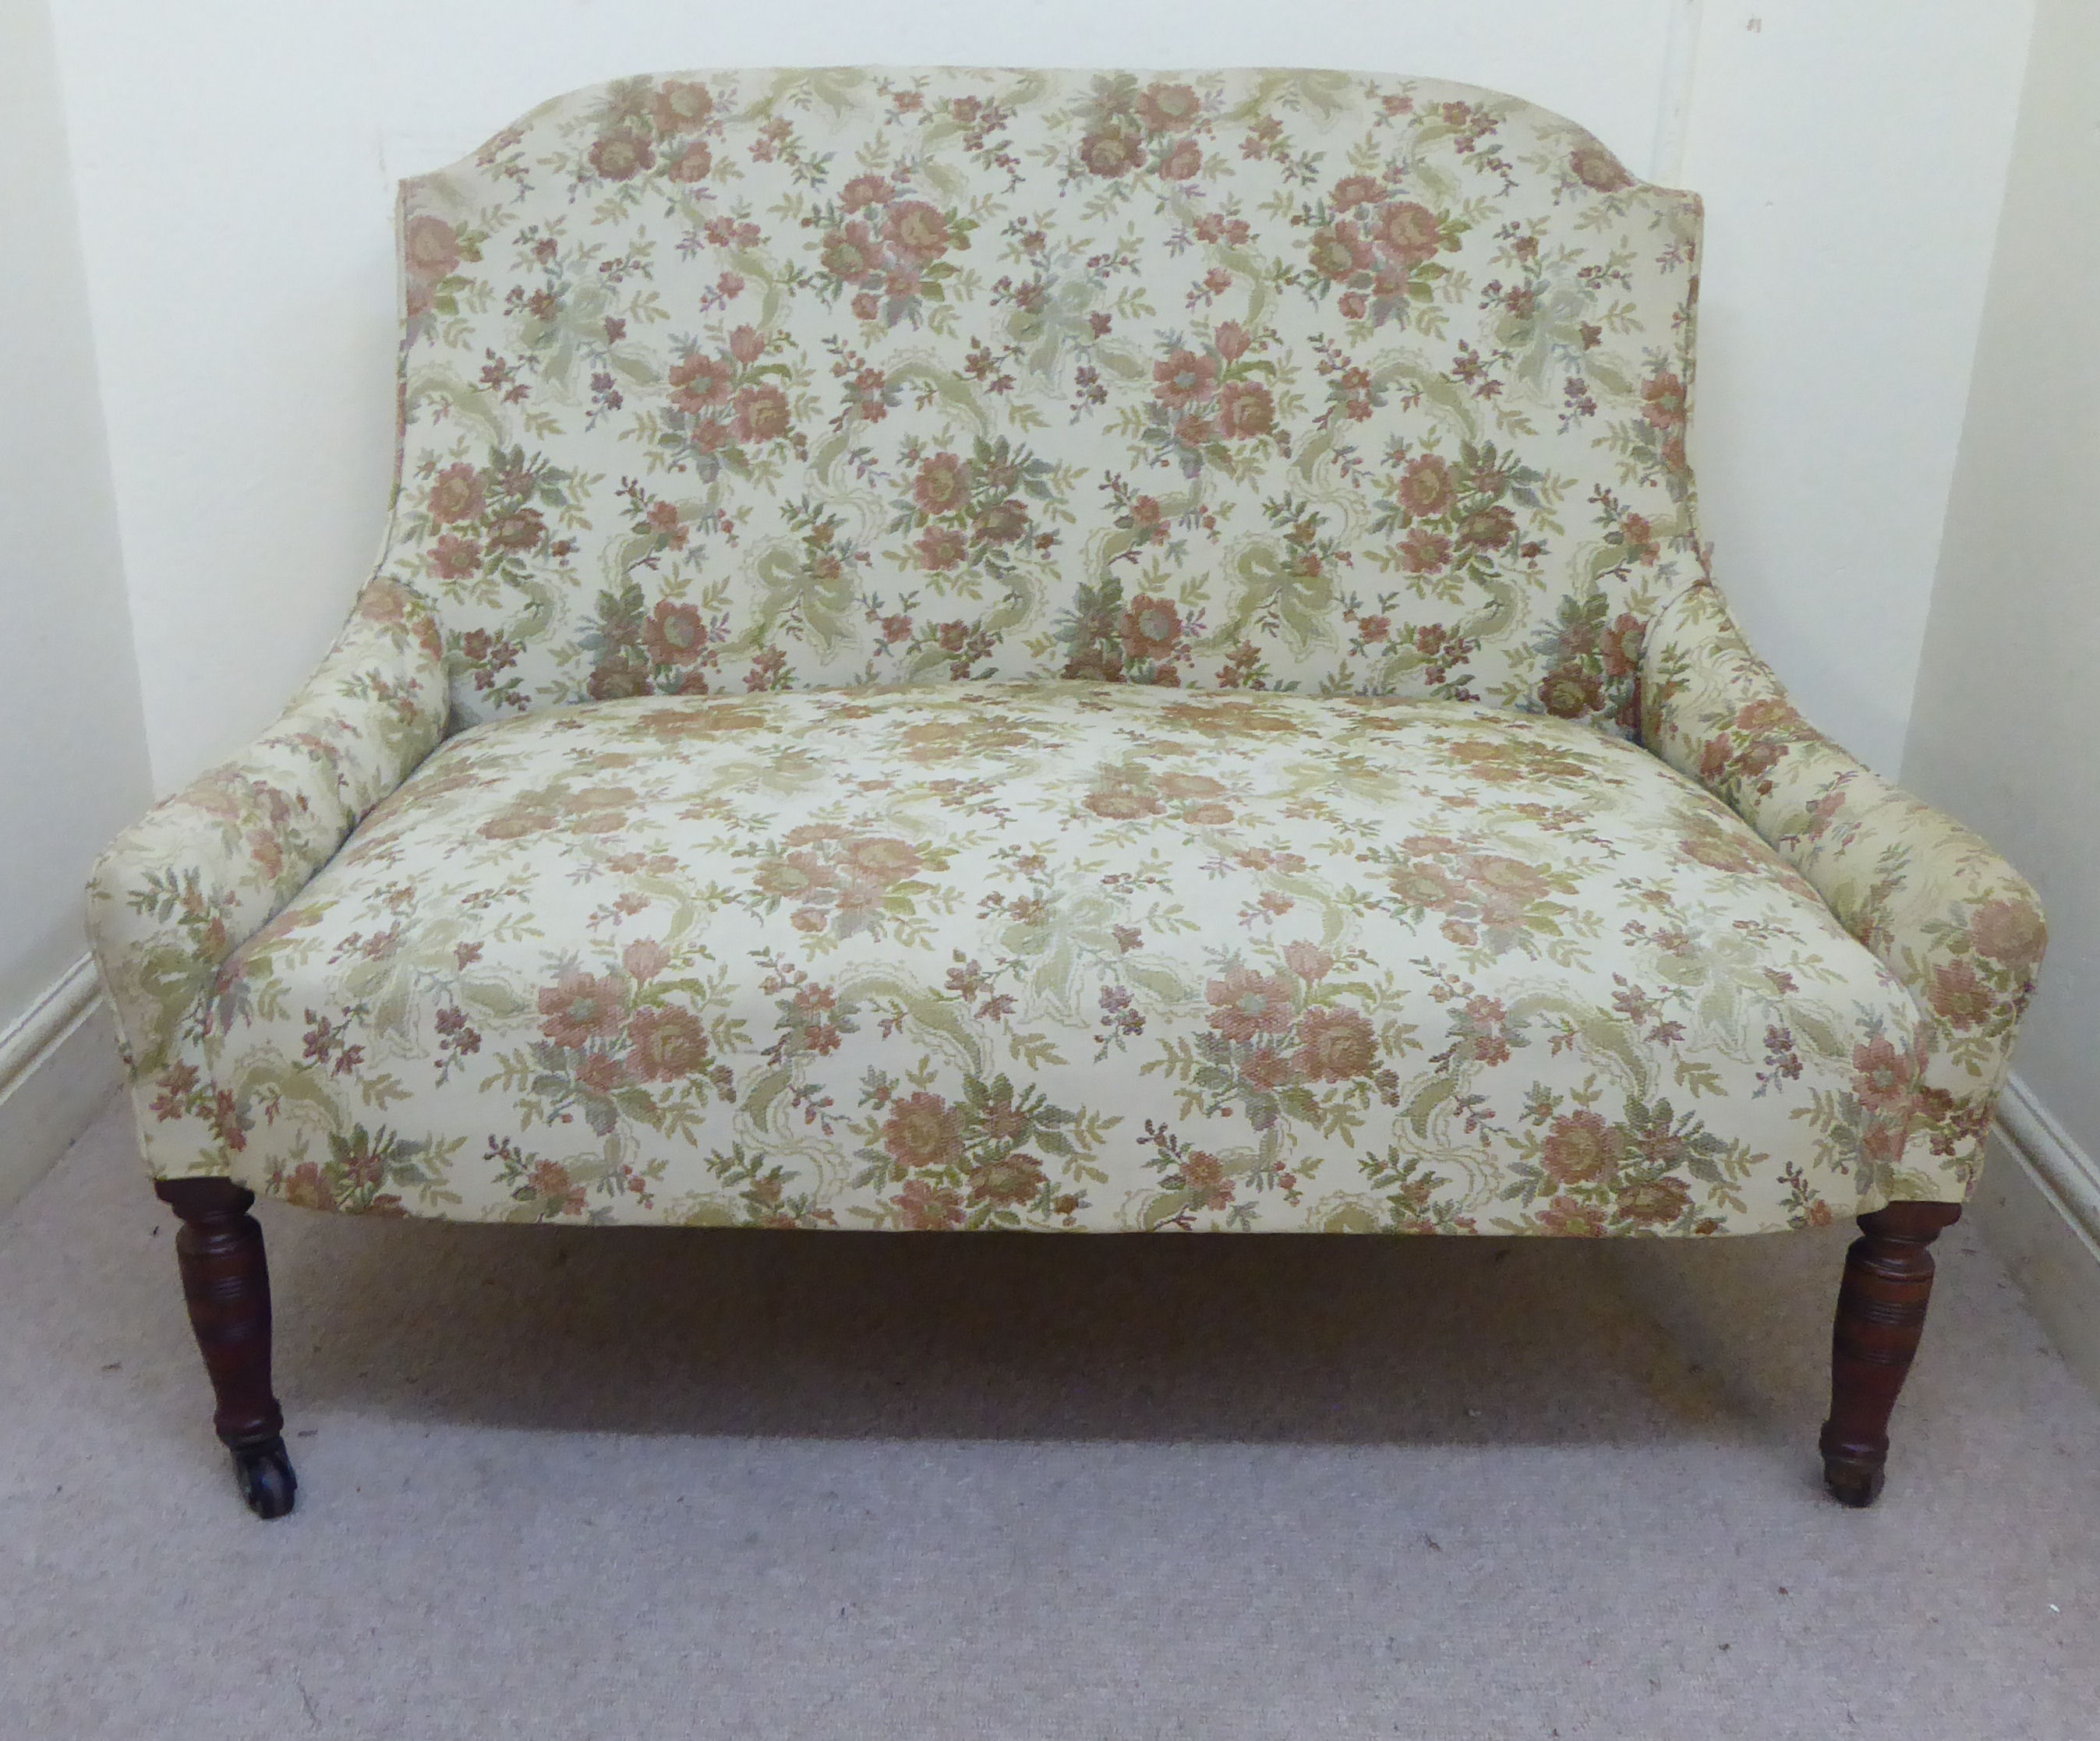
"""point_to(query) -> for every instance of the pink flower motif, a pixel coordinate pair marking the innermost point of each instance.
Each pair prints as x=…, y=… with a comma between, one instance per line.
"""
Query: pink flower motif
x=1204, y=1177
x=1423, y=552
x=761, y=414
x=1662, y=397
x=918, y=231
x=621, y=156
x=431, y=247
x=881, y=859
x=692, y=164
x=1340, y=252
x=453, y=557
x=1246, y=1004
x=667, y=1045
x=645, y=959
x=1581, y=1149
x=864, y=191
x=1184, y=162
x=680, y=106
x=1245, y=410
x=850, y=254
x=942, y=485
x=1169, y=108
x=1150, y=629
x=675, y=634
x=1882, y=1076
x=1335, y=1045
x=1184, y=379
x=940, y=547
x=580, y=1007
x=1309, y=961
x=558, y=1193
x=1109, y=154
x=1409, y=231
x=457, y=494
x=2010, y=931
x=699, y=382
x=927, y=1208
x=1571, y=1219
x=1596, y=168
x=923, y=1131
x=1427, y=487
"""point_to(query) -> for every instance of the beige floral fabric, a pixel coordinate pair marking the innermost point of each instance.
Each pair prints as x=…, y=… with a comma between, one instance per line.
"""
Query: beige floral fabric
x=746, y=380
x=1957, y=924
x=1056, y=651
x=182, y=889
x=1059, y=956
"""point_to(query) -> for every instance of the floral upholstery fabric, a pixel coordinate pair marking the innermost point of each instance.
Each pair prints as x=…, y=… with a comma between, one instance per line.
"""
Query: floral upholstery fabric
x=1060, y=956
x=182, y=889
x=1957, y=924
x=1052, y=650
x=750, y=381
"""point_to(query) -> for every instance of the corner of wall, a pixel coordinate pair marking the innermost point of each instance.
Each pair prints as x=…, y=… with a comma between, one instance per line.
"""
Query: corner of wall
x=2038, y=1206
x=58, y=1066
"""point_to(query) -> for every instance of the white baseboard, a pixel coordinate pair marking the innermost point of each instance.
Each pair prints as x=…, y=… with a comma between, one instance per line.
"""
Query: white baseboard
x=2039, y=1205
x=58, y=1065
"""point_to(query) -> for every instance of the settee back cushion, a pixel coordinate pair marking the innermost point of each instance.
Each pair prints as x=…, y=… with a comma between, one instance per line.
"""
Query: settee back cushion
x=734, y=380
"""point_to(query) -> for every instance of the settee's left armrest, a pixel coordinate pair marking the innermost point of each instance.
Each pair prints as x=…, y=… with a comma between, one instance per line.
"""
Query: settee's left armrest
x=179, y=891
x=1956, y=924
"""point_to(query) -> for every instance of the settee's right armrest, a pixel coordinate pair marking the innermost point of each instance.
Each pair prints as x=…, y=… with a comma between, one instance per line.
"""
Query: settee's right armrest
x=179, y=892
x=1956, y=924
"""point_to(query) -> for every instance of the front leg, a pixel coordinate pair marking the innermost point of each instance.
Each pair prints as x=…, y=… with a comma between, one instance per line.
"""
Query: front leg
x=226, y=1281
x=1881, y=1315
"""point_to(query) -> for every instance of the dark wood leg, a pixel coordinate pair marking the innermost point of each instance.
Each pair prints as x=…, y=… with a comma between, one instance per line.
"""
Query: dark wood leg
x=1881, y=1315
x=226, y=1281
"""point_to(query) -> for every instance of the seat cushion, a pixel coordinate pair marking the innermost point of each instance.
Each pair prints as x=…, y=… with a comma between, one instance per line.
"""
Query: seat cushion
x=1062, y=956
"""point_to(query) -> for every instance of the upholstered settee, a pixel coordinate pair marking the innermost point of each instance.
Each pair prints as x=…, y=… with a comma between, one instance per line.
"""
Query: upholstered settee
x=1059, y=651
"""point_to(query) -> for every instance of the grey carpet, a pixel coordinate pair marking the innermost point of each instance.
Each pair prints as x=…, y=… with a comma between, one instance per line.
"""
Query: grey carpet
x=639, y=1484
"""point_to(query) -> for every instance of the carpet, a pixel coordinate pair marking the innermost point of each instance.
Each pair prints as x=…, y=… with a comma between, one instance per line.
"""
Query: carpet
x=642, y=1484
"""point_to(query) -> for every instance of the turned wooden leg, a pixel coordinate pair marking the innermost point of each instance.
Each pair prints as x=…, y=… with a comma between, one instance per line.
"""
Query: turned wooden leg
x=1881, y=1314
x=226, y=1281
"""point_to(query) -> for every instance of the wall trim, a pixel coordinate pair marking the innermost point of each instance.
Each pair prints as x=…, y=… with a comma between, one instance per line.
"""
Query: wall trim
x=58, y=1066
x=61, y=1006
x=2038, y=1204
x=2071, y=1175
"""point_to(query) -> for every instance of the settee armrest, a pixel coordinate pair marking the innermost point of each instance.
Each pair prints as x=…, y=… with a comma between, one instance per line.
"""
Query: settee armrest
x=179, y=891
x=1958, y=926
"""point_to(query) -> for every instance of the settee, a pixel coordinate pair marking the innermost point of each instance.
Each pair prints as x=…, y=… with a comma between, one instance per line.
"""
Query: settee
x=1093, y=651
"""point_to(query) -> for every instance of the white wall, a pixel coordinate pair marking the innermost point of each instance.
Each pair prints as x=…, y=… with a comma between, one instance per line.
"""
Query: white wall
x=72, y=754
x=1852, y=157
x=236, y=160
x=2001, y=730
x=73, y=743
